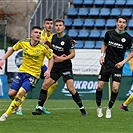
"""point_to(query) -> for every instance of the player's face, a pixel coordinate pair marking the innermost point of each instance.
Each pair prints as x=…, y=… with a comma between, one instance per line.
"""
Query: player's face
x=48, y=25
x=121, y=24
x=59, y=27
x=35, y=34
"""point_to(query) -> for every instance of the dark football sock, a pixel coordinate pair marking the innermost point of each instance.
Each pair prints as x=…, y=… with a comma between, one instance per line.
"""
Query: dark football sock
x=98, y=98
x=42, y=97
x=77, y=99
x=112, y=99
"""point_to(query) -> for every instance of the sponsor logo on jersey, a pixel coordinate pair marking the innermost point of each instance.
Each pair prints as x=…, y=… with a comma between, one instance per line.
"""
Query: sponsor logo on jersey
x=114, y=44
x=123, y=39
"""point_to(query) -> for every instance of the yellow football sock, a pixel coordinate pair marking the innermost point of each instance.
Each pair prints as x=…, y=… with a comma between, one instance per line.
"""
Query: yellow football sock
x=14, y=105
x=51, y=89
x=129, y=100
x=24, y=97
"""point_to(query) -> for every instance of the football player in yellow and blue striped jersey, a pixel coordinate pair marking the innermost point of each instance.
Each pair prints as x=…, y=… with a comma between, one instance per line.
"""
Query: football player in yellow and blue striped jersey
x=34, y=53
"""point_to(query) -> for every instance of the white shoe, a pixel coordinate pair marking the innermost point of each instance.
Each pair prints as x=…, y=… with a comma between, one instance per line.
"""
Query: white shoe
x=99, y=112
x=3, y=118
x=108, y=113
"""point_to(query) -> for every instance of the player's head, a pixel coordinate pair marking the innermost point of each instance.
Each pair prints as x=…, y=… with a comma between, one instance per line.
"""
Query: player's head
x=121, y=23
x=35, y=33
x=48, y=24
x=59, y=26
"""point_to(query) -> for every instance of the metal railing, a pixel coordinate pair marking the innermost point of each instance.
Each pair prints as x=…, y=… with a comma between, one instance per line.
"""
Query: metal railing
x=48, y=8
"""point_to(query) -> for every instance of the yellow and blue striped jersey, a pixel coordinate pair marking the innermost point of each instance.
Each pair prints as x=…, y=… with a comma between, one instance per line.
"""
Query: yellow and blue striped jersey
x=44, y=36
x=33, y=56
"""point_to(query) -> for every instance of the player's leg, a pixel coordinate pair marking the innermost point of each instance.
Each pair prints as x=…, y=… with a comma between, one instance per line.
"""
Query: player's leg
x=43, y=96
x=75, y=96
x=50, y=90
x=114, y=93
x=14, y=105
x=126, y=103
x=19, y=110
x=99, y=97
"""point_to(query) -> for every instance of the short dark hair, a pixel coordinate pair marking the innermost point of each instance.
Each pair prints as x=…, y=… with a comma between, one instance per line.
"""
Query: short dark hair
x=123, y=17
x=36, y=27
x=59, y=20
x=47, y=19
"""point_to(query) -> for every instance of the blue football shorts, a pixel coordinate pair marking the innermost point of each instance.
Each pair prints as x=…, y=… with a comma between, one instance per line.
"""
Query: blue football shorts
x=23, y=80
x=43, y=70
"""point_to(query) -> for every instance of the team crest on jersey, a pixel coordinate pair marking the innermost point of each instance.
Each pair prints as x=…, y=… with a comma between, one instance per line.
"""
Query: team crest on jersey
x=123, y=39
x=62, y=43
x=37, y=51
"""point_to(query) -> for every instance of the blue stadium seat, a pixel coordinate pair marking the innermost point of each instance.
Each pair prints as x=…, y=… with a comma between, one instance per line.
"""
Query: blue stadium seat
x=65, y=31
x=98, y=2
x=98, y=44
x=83, y=12
x=130, y=32
x=120, y=2
x=103, y=33
x=130, y=23
x=115, y=12
x=79, y=45
x=88, y=2
x=83, y=34
x=88, y=23
x=94, y=34
x=73, y=33
x=68, y=22
x=126, y=12
x=129, y=3
x=72, y=12
x=89, y=44
x=109, y=2
x=110, y=23
x=99, y=23
x=94, y=12
x=78, y=22
x=104, y=12
x=77, y=2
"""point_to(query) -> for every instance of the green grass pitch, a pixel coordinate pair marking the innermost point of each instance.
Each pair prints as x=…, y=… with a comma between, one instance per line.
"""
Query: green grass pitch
x=66, y=118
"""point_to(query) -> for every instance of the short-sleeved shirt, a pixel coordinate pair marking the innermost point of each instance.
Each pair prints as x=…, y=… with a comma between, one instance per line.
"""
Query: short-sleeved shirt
x=33, y=56
x=61, y=46
x=44, y=36
x=117, y=44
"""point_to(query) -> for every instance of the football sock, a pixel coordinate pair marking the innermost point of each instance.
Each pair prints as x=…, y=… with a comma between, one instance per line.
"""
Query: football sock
x=129, y=100
x=24, y=97
x=112, y=99
x=51, y=89
x=42, y=97
x=14, y=105
x=77, y=99
x=98, y=98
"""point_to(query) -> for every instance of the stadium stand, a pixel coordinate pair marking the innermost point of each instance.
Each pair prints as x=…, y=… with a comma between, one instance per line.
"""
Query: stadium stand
x=83, y=12
x=83, y=34
x=92, y=19
x=89, y=44
x=88, y=23
x=79, y=45
x=78, y=22
x=99, y=23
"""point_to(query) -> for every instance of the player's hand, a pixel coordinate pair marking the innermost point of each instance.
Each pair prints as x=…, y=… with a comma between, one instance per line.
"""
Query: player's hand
x=102, y=60
x=47, y=74
x=59, y=58
x=119, y=65
x=2, y=63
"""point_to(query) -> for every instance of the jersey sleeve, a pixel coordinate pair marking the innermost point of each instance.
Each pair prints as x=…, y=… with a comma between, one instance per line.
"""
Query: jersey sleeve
x=105, y=40
x=17, y=46
x=48, y=52
x=71, y=43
